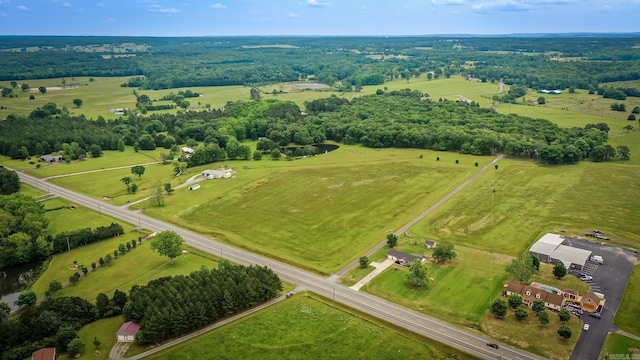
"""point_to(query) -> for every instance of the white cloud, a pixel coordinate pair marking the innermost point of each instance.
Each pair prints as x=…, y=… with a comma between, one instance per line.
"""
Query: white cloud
x=66, y=4
x=163, y=10
x=5, y=2
x=293, y=15
x=23, y=8
x=218, y=6
x=318, y=3
x=449, y=2
x=100, y=4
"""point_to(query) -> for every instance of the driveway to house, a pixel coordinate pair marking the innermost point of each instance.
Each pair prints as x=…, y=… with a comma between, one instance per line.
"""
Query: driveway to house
x=336, y=277
x=467, y=341
x=379, y=267
x=99, y=170
x=609, y=279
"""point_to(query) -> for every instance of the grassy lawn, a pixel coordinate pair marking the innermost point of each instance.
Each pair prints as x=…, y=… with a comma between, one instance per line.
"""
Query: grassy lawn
x=355, y=275
x=108, y=185
x=105, y=330
x=545, y=342
x=458, y=292
x=620, y=347
x=545, y=276
x=531, y=199
x=98, y=96
x=136, y=267
x=302, y=327
x=629, y=308
x=319, y=213
x=69, y=219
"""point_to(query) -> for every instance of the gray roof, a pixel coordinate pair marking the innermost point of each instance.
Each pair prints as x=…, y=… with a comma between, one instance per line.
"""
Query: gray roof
x=547, y=244
x=568, y=254
x=404, y=256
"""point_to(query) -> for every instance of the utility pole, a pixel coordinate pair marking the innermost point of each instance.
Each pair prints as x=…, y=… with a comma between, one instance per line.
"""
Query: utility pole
x=68, y=246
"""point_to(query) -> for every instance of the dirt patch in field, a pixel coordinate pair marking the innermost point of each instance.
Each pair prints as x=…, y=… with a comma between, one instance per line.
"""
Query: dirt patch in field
x=310, y=86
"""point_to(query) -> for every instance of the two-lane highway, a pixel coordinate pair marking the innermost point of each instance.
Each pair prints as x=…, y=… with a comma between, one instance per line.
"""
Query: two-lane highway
x=462, y=339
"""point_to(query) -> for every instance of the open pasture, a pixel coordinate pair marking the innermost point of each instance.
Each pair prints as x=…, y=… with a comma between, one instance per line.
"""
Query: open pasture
x=322, y=212
x=97, y=96
x=618, y=346
x=531, y=199
x=136, y=267
x=107, y=184
x=458, y=291
x=304, y=326
x=629, y=308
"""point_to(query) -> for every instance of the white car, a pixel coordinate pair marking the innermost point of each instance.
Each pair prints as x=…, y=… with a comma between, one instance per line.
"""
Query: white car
x=586, y=277
x=585, y=327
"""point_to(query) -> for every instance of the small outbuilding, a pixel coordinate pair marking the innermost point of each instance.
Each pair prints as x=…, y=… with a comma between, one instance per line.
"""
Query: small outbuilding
x=51, y=158
x=430, y=244
x=44, y=354
x=127, y=331
x=194, y=187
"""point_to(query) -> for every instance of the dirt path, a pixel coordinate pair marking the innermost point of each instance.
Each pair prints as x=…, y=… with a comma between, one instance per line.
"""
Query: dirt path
x=336, y=277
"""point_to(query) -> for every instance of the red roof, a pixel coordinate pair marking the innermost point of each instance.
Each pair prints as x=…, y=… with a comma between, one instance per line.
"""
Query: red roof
x=128, y=328
x=44, y=354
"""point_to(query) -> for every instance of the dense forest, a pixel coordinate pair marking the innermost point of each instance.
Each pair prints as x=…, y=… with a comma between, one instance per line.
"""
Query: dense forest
x=401, y=119
x=555, y=62
x=172, y=306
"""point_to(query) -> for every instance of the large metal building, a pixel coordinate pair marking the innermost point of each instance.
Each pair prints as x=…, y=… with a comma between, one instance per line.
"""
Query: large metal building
x=549, y=249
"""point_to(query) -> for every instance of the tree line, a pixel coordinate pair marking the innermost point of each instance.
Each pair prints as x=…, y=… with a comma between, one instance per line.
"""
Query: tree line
x=172, y=306
x=68, y=240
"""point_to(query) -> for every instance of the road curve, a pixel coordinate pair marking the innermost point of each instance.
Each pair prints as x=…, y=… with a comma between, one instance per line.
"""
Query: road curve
x=464, y=340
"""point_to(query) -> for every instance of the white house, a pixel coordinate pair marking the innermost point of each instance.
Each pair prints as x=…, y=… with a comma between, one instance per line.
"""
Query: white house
x=187, y=150
x=217, y=174
x=127, y=331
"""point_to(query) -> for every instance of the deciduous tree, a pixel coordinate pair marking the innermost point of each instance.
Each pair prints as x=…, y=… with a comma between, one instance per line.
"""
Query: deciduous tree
x=498, y=308
x=9, y=181
x=392, y=240
x=417, y=274
x=521, y=268
x=138, y=170
x=543, y=317
x=75, y=347
x=168, y=243
x=364, y=262
x=521, y=314
x=559, y=270
x=55, y=287
x=515, y=300
x=564, y=332
x=77, y=102
x=538, y=305
x=27, y=298
x=564, y=315
x=444, y=251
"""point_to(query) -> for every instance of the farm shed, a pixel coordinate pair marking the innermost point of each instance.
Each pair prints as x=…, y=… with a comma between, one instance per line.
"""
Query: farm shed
x=545, y=246
x=430, y=244
x=44, y=354
x=572, y=258
x=194, y=187
x=127, y=331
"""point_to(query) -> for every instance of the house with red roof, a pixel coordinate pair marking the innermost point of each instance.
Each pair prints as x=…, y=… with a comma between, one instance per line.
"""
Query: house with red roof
x=128, y=331
x=44, y=354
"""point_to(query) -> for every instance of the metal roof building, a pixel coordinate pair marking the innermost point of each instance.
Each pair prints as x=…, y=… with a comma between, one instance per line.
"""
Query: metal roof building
x=545, y=246
x=571, y=257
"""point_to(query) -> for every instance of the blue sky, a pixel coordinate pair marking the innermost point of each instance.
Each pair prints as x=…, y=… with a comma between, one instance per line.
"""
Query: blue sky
x=314, y=17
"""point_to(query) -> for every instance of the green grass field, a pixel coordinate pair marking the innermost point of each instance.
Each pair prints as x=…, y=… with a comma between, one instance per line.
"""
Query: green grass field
x=620, y=347
x=458, y=292
x=531, y=199
x=629, y=308
x=105, y=331
x=307, y=327
x=108, y=185
x=136, y=267
x=530, y=335
x=323, y=212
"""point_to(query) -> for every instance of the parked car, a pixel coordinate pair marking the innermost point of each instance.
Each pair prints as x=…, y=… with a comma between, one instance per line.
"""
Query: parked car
x=493, y=345
x=597, y=231
x=595, y=315
x=585, y=327
x=586, y=277
x=289, y=294
x=597, y=259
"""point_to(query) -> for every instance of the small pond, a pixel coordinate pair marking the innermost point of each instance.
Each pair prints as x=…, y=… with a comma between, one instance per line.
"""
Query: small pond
x=15, y=279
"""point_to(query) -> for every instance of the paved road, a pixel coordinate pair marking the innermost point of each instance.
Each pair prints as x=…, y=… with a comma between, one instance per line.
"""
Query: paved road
x=403, y=229
x=459, y=338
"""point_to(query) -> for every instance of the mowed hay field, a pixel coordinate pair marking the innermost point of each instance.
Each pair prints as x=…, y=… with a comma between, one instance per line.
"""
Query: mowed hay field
x=322, y=212
x=458, y=291
x=531, y=199
x=305, y=327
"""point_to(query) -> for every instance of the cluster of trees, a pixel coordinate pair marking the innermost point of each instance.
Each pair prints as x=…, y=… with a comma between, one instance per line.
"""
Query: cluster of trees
x=173, y=306
x=9, y=181
x=23, y=228
x=392, y=119
x=54, y=322
x=68, y=240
